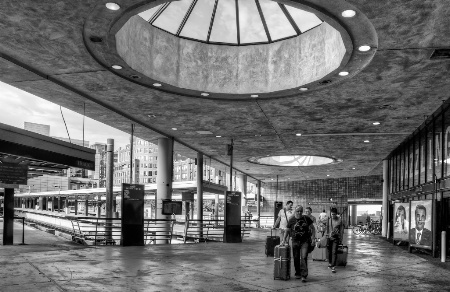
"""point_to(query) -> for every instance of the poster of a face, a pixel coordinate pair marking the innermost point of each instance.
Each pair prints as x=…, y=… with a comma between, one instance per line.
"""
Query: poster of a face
x=401, y=221
x=420, y=214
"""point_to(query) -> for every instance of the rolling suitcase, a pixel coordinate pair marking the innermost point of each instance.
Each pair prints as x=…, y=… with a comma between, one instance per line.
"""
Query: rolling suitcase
x=282, y=262
x=319, y=254
x=342, y=254
x=271, y=242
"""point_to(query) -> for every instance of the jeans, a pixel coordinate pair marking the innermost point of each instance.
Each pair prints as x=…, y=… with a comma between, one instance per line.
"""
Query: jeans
x=332, y=252
x=300, y=253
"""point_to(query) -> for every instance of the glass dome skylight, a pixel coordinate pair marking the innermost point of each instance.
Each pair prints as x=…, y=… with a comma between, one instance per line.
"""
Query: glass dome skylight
x=231, y=22
x=293, y=160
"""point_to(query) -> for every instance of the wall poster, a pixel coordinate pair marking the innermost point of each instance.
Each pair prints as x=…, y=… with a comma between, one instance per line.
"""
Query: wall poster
x=401, y=221
x=420, y=234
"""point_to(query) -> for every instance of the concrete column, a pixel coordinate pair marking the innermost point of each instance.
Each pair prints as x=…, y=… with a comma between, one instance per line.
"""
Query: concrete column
x=53, y=204
x=164, y=181
x=8, y=217
x=384, y=224
x=99, y=207
x=76, y=205
x=199, y=204
x=86, y=204
x=241, y=186
x=354, y=214
x=109, y=186
x=216, y=207
x=66, y=204
x=41, y=203
x=59, y=204
x=258, y=201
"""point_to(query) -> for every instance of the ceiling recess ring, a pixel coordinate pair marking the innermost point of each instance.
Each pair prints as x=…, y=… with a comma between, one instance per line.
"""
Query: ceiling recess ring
x=267, y=52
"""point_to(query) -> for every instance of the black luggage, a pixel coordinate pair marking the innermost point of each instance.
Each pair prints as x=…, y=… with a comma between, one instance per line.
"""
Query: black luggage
x=342, y=253
x=271, y=242
x=282, y=262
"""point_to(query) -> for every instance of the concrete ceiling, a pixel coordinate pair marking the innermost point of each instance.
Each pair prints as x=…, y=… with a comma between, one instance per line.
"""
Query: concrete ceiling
x=42, y=51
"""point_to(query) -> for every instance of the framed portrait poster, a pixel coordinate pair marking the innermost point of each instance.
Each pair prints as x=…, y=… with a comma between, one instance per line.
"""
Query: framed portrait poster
x=420, y=232
x=401, y=221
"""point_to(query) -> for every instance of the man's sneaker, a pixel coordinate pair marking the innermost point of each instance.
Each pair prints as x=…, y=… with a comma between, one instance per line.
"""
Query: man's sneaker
x=303, y=279
x=333, y=270
x=329, y=266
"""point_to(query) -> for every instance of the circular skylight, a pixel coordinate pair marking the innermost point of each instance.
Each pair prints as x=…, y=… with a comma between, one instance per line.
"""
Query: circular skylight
x=293, y=160
x=231, y=22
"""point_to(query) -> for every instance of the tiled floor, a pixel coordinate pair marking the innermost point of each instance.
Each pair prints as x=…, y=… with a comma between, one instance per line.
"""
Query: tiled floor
x=50, y=263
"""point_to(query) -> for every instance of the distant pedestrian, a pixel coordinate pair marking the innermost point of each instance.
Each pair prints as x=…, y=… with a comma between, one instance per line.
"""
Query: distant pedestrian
x=336, y=232
x=322, y=222
x=283, y=217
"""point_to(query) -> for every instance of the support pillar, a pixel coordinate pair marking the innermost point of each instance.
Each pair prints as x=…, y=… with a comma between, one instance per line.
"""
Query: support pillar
x=86, y=204
x=8, y=217
x=164, y=183
x=76, y=205
x=354, y=215
x=258, y=203
x=384, y=222
x=109, y=186
x=241, y=186
x=199, y=203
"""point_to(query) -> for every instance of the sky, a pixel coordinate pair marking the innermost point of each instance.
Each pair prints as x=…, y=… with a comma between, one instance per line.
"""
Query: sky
x=19, y=106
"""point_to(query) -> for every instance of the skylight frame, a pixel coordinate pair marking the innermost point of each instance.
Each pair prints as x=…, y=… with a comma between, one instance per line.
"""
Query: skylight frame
x=270, y=40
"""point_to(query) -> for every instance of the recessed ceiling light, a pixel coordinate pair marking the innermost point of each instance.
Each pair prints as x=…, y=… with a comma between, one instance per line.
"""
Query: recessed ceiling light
x=117, y=67
x=204, y=94
x=204, y=132
x=157, y=84
x=348, y=13
x=218, y=136
x=303, y=89
x=257, y=135
x=298, y=134
x=376, y=123
x=364, y=48
x=366, y=141
x=174, y=129
x=112, y=6
x=343, y=73
x=271, y=178
x=328, y=175
x=353, y=168
x=254, y=95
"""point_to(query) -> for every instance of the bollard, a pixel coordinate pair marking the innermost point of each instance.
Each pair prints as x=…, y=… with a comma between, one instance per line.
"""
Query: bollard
x=443, y=246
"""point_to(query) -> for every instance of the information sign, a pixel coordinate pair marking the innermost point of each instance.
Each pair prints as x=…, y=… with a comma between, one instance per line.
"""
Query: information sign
x=132, y=215
x=13, y=173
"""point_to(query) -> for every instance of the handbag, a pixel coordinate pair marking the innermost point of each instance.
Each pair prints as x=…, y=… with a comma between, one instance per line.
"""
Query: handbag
x=323, y=242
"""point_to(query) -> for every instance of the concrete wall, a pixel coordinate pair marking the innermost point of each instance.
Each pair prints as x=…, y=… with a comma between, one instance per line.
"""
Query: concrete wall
x=230, y=69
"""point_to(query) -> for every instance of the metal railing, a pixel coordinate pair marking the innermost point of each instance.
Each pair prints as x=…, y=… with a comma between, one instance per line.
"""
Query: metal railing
x=96, y=231
x=108, y=231
x=158, y=231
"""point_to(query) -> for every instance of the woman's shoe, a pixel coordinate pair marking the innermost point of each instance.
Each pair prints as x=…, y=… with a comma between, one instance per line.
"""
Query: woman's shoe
x=333, y=270
x=329, y=266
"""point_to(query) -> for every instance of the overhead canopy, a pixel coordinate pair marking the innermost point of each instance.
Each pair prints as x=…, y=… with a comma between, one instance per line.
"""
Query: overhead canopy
x=42, y=153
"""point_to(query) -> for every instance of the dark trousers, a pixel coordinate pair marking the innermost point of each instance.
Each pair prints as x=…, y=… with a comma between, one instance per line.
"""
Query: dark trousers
x=300, y=253
x=332, y=252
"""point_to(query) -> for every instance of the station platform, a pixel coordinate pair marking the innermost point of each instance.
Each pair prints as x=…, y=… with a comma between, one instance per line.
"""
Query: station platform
x=50, y=263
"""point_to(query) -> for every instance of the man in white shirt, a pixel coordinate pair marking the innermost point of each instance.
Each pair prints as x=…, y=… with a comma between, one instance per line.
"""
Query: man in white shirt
x=283, y=217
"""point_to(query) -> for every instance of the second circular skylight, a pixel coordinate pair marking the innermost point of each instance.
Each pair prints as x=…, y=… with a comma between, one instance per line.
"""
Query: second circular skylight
x=231, y=22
